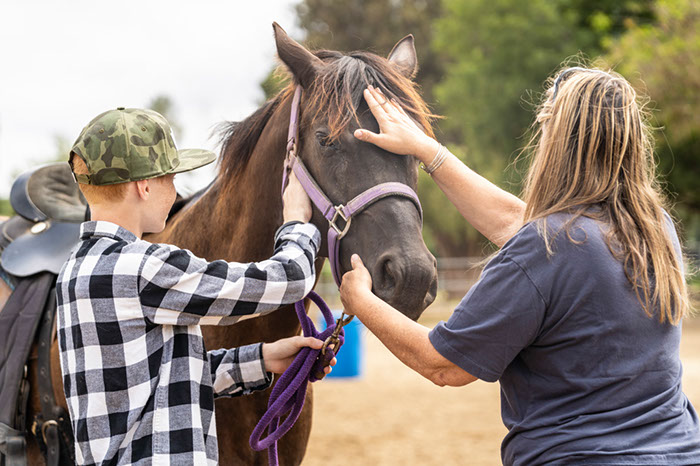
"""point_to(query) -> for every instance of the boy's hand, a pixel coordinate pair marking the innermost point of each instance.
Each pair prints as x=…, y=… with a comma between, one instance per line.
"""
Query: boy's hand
x=356, y=285
x=297, y=205
x=278, y=356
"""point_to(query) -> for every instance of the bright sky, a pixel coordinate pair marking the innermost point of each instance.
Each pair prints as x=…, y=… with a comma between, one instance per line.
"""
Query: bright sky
x=63, y=63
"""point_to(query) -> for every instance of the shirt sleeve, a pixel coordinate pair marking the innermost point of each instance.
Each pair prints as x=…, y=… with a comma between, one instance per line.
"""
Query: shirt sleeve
x=500, y=315
x=238, y=371
x=178, y=288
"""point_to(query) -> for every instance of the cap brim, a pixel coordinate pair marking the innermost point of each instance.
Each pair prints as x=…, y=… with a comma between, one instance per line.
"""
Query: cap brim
x=193, y=158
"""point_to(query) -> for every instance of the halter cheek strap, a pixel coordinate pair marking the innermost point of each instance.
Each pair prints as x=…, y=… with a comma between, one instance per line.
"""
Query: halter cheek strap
x=332, y=212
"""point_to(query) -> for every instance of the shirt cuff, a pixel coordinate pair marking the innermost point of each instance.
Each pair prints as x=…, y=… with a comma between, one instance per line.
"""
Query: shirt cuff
x=254, y=377
x=296, y=228
x=286, y=225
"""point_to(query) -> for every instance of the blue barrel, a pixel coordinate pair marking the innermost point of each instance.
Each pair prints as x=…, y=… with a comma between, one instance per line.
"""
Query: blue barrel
x=352, y=355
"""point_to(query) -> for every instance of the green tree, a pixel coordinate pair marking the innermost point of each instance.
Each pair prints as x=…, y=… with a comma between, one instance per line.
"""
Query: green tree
x=664, y=59
x=499, y=53
x=610, y=18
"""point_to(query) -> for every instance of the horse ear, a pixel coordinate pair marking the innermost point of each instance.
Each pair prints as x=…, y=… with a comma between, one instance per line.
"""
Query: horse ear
x=403, y=56
x=303, y=64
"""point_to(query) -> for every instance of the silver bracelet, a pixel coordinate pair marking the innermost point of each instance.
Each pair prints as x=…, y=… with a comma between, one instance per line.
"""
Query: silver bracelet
x=439, y=158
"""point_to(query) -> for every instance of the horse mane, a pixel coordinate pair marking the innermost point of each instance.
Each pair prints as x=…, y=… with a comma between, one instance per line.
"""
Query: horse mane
x=337, y=93
x=238, y=138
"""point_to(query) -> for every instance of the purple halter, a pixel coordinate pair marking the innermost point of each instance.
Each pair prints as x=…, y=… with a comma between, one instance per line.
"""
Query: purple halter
x=330, y=211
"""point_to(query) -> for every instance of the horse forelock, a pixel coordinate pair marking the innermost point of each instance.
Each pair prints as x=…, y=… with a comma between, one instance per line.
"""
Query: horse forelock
x=338, y=90
x=337, y=94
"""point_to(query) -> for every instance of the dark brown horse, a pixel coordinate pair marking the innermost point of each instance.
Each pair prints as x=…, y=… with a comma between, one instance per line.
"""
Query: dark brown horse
x=236, y=216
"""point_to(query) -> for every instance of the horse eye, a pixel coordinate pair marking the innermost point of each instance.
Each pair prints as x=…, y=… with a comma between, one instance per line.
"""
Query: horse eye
x=324, y=140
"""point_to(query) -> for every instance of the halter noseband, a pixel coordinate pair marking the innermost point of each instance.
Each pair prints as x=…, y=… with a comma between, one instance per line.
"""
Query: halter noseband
x=330, y=211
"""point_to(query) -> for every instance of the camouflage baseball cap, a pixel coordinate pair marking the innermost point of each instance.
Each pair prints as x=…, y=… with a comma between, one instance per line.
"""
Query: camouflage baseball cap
x=131, y=144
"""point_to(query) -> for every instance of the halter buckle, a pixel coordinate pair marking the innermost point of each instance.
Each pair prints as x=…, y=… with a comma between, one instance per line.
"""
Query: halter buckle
x=347, y=220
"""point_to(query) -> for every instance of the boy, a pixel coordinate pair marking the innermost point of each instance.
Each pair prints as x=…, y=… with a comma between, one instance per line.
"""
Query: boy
x=139, y=385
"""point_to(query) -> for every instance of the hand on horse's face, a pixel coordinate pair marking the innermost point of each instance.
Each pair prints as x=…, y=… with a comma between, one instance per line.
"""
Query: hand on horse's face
x=297, y=205
x=356, y=284
x=398, y=133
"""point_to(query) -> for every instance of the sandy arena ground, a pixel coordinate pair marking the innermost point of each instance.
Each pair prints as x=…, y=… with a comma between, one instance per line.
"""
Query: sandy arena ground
x=392, y=416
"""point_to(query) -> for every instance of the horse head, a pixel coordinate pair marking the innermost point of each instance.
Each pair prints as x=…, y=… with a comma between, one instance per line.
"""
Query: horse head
x=387, y=234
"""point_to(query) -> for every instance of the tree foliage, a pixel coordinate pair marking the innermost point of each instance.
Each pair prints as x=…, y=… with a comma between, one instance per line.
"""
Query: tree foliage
x=664, y=59
x=499, y=52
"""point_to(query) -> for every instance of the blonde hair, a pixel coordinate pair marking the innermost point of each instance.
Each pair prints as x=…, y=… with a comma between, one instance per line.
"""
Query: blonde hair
x=97, y=194
x=592, y=146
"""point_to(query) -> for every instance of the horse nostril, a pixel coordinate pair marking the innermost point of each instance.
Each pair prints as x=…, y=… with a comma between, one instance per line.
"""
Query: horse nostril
x=387, y=276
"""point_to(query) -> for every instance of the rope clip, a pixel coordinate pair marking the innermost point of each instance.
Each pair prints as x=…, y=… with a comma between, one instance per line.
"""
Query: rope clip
x=334, y=337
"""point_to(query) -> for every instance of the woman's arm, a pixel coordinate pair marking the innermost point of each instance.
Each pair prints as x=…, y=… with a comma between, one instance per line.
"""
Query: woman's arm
x=406, y=339
x=496, y=213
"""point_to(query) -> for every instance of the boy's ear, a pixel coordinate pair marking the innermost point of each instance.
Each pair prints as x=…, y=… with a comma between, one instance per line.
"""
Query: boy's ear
x=143, y=189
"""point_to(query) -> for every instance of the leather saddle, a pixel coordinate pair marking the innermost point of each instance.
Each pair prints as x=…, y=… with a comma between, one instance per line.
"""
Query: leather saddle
x=50, y=208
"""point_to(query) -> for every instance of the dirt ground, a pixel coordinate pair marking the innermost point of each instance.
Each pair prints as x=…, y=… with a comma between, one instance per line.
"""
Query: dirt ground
x=392, y=416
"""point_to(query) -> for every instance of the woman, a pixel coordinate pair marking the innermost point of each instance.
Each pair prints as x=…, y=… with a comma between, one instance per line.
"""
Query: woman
x=578, y=315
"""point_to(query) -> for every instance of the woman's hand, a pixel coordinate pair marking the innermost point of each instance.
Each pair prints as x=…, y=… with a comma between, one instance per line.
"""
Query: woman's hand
x=398, y=133
x=278, y=356
x=356, y=285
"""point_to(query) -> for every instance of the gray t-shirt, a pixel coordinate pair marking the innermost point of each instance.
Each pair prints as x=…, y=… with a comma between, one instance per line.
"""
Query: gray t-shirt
x=586, y=376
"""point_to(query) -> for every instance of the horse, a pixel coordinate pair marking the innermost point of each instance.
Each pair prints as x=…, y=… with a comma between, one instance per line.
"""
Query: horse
x=235, y=217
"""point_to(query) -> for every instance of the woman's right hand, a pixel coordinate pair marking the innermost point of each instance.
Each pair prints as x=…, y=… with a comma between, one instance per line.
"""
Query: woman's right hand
x=398, y=133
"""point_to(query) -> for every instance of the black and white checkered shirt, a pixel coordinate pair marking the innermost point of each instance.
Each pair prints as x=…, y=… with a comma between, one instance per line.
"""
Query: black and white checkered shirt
x=139, y=383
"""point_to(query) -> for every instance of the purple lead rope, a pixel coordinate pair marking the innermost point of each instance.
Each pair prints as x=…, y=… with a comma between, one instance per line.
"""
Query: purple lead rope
x=289, y=393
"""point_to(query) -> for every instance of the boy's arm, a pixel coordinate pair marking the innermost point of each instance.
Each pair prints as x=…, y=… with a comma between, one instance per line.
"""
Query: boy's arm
x=178, y=288
x=238, y=371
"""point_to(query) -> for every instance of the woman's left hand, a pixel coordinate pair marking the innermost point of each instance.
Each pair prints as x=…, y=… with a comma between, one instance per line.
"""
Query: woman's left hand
x=356, y=284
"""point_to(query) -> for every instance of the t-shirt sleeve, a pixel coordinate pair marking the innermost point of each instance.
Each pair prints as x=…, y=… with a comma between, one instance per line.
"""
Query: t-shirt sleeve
x=500, y=315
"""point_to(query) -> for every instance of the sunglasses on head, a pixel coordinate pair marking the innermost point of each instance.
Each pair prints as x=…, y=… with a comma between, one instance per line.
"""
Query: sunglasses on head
x=566, y=73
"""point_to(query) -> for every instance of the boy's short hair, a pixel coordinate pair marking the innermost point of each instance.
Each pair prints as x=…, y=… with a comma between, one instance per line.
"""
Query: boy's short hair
x=96, y=194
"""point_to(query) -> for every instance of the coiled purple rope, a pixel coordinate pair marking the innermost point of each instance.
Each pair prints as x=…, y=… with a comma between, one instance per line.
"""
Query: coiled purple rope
x=289, y=393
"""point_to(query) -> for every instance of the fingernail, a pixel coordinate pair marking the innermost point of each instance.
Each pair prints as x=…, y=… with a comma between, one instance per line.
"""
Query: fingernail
x=359, y=133
x=370, y=87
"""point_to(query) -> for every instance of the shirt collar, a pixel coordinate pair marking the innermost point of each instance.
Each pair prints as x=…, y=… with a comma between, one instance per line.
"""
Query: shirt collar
x=101, y=228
